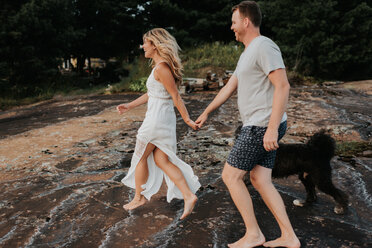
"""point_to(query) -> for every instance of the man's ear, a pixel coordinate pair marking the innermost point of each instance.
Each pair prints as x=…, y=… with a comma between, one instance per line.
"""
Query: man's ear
x=246, y=21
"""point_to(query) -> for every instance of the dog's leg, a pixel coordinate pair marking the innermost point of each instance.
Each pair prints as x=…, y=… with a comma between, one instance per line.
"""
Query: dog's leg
x=326, y=185
x=310, y=190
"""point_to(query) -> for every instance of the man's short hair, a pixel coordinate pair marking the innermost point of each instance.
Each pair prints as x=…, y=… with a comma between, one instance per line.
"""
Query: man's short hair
x=251, y=10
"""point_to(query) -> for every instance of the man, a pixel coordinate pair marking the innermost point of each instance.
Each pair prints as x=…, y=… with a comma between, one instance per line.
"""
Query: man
x=263, y=90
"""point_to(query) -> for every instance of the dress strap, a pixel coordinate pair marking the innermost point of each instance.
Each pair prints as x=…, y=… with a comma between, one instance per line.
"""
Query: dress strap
x=153, y=69
x=160, y=63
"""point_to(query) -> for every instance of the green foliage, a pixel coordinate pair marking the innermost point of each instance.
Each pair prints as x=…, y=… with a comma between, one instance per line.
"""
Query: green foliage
x=352, y=148
x=138, y=85
x=213, y=56
x=193, y=22
x=138, y=68
x=323, y=38
x=106, y=28
x=216, y=57
x=34, y=37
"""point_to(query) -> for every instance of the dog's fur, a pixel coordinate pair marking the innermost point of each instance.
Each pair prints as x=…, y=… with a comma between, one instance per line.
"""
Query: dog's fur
x=311, y=162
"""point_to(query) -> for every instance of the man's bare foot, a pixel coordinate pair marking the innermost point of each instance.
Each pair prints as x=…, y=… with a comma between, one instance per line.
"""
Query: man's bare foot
x=135, y=203
x=284, y=242
x=249, y=241
x=189, y=206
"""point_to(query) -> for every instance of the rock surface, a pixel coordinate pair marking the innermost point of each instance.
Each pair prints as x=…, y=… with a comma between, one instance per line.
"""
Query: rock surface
x=61, y=163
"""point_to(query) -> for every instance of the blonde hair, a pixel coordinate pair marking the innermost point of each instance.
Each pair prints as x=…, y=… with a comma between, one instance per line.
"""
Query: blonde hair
x=168, y=49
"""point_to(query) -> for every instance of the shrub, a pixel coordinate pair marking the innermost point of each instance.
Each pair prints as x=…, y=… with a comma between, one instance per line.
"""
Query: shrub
x=138, y=85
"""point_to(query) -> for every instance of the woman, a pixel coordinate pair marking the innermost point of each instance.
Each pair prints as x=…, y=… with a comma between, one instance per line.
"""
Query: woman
x=155, y=151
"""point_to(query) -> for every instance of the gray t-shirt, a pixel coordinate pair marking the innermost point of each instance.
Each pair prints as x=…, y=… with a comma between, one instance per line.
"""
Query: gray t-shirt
x=255, y=91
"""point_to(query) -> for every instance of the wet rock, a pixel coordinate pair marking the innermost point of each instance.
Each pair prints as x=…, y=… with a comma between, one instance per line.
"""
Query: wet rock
x=69, y=164
x=74, y=197
x=81, y=144
x=125, y=162
x=210, y=187
x=349, y=159
x=220, y=142
x=162, y=216
x=103, y=143
x=46, y=151
x=367, y=153
x=331, y=83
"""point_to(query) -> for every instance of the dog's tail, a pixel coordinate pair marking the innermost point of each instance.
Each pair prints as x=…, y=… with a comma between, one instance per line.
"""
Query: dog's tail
x=323, y=144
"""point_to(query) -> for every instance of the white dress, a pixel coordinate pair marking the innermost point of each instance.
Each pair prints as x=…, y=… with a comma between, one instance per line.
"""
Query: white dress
x=159, y=128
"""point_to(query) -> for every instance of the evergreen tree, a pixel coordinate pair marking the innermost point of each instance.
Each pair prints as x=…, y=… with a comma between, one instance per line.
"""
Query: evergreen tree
x=325, y=38
x=193, y=22
x=106, y=28
x=35, y=36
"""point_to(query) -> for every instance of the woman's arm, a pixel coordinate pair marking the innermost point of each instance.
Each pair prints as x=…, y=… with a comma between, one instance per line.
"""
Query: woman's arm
x=164, y=75
x=122, y=108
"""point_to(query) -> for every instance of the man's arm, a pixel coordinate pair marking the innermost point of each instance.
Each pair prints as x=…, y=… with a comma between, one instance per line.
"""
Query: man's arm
x=281, y=93
x=220, y=99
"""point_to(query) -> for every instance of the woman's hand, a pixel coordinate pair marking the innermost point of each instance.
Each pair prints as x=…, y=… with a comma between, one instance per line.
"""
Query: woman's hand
x=122, y=108
x=192, y=124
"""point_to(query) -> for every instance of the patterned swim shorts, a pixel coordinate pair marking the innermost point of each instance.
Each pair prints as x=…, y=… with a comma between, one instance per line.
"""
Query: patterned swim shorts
x=248, y=150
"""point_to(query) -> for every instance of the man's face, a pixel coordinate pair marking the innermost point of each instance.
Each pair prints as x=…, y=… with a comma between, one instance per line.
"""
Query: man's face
x=237, y=25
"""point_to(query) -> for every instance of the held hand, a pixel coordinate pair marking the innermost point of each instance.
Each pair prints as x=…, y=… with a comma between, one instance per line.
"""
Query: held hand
x=122, y=108
x=192, y=124
x=201, y=120
x=270, y=140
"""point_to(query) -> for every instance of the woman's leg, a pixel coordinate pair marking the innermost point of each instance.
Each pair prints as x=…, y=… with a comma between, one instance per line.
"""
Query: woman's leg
x=141, y=174
x=175, y=174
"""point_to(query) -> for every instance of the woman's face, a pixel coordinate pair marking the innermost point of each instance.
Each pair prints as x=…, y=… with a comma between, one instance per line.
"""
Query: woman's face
x=148, y=48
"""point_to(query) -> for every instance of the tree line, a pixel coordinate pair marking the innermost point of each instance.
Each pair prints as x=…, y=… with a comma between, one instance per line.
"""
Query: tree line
x=322, y=38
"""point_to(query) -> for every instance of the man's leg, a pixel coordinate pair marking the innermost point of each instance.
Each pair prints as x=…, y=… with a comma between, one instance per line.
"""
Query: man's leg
x=233, y=178
x=261, y=180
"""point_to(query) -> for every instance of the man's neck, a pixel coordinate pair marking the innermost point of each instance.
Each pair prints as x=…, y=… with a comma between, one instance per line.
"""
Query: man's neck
x=251, y=35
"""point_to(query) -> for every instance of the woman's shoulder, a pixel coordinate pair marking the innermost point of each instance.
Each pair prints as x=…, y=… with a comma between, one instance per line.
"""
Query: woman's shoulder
x=162, y=70
x=162, y=66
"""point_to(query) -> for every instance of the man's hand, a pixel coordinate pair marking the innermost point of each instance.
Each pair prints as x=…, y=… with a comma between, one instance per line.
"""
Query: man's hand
x=271, y=140
x=201, y=120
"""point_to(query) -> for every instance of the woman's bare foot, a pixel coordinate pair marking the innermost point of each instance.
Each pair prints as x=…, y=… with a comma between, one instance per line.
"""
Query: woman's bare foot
x=135, y=203
x=189, y=206
x=292, y=242
x=248, y=241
